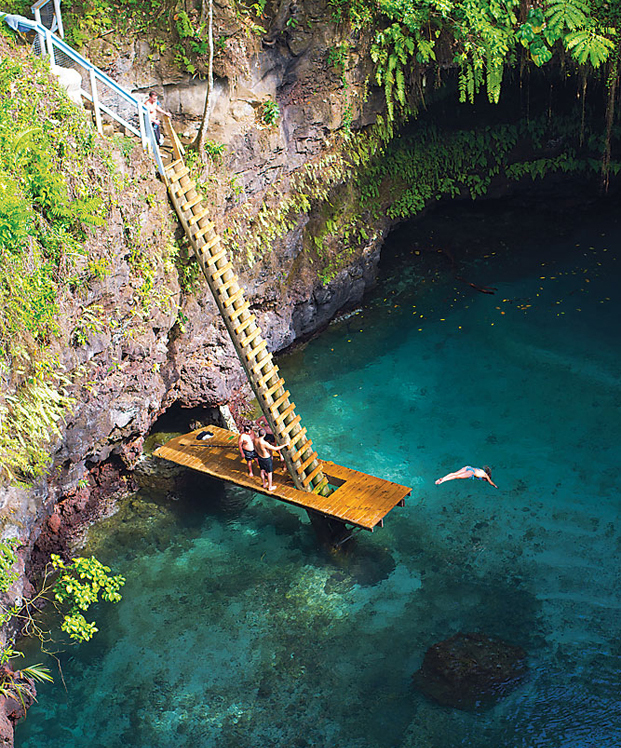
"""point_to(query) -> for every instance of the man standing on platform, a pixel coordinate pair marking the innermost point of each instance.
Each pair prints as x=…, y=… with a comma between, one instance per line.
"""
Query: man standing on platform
x=245, y=444
x=264, y=451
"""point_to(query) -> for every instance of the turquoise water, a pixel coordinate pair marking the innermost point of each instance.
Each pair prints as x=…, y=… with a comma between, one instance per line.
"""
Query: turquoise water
x=236, y=631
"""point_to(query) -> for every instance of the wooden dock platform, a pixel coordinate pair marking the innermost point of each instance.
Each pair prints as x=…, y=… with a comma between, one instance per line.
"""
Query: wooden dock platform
x=359, y=499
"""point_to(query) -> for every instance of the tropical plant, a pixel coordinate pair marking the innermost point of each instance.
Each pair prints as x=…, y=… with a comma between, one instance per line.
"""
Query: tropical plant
x=270, y=112
x=486, y=37
x=78, y=584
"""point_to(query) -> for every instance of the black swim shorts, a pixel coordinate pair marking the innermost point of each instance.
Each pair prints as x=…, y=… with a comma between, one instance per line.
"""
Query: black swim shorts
x=266, y=464
x=250, y=455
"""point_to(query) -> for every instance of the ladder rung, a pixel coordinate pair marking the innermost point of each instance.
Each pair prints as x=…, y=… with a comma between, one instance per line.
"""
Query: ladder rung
x=296, y=438
x=221, y=271
x=310, y=476
x=190, y=204
x=209, y=244
x=234, y=313
x=203, y=230
x=254, y=352
x=212, y=259
x=176, y=176
x=275, y=387
x=227, y=284
x=277, y=403
x=299, y=452
x=181, y=190
x=307, y=462
x=248, y=321
x=173, y=165
x=286, y=429
x=235, y=297
x=250, y=337
x=267, y=376
x=198, y=217
x=286, y=412
x=260, y=365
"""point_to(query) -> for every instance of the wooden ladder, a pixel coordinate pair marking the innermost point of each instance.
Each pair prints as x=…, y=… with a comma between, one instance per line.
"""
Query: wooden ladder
x=263, y=375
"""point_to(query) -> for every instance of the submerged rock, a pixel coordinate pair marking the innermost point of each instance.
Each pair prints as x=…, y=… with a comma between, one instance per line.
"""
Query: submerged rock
x=471, y=671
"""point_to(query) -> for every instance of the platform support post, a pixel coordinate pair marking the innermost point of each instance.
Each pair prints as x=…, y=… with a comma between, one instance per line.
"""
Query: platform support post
x=331, y=532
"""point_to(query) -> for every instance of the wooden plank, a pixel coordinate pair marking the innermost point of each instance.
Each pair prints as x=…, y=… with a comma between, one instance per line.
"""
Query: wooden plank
x=235, y=297
x=284, y=430
x=311, y=475
x=267, y=376
x=260, y=365
x=212, y=259
x=196, y=217
x=277, y=403
x=287, y=412
x=299, y=452
x=179, y=192
x=221, y=271
x=254, y=352
x=307, y=462
x=225, y=285
x=177, y=175
x=202, y=230
x=296, y=438
x=234, y=313
x=243, y=325
x=173, y=165
x=191, y=203
x=250, y=337
x=274, y=387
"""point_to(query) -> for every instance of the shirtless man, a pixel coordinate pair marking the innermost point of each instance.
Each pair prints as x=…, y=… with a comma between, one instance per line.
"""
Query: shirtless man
x=245, y=444
x=470, y=472
x=264, y=451
x=153, y=108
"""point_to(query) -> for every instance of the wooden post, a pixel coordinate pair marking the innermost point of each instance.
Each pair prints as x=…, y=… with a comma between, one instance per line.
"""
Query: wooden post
x=330, y=532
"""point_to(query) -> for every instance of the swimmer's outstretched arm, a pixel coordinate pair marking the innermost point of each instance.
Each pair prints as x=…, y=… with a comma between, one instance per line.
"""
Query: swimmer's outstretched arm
x=489, y=480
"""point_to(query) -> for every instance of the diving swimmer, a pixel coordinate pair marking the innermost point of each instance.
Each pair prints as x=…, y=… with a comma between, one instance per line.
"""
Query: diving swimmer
x=467, y=471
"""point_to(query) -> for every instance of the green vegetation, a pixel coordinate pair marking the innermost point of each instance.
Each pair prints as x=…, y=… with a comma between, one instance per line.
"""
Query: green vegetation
x=47, y=207
x=58, y=183
x=485, y=37
x=269, y=113
x=77, y=586
x=430, y=164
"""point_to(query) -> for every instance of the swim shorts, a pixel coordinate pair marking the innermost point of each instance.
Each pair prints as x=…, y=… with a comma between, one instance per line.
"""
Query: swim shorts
x=266, y=464
x=250, y=455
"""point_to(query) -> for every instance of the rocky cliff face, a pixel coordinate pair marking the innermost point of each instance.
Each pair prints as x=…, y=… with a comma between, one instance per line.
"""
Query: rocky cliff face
x=154, y=344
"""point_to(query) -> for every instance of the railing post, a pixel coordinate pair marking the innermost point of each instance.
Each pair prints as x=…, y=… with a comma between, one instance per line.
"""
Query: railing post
x=142, y=112
x=178, y=149
x=50, y=47
x=59, y=19
x=95, y=97
x=37, y=15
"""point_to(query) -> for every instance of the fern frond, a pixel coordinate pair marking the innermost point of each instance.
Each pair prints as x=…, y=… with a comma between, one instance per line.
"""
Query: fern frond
x=570, y=14
x=589, y=46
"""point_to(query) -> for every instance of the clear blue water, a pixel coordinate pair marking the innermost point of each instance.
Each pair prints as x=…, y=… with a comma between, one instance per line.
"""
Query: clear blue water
x=236, y=631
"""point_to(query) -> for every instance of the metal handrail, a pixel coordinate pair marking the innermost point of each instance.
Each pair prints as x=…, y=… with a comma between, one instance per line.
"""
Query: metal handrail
x=145, y=130
x=57, y=19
